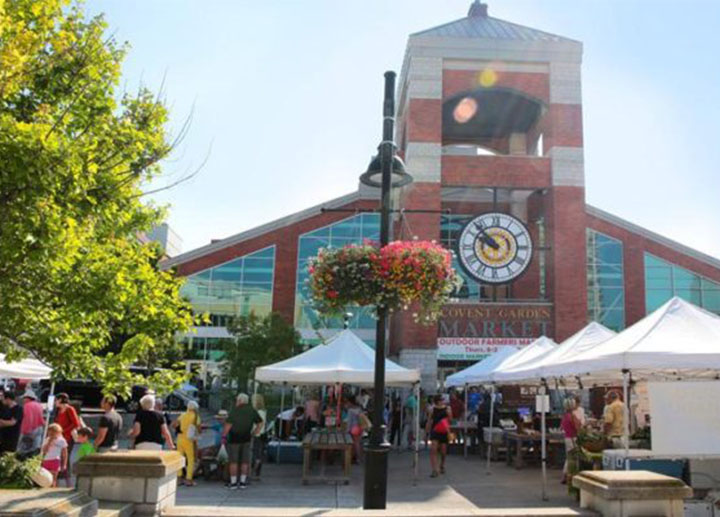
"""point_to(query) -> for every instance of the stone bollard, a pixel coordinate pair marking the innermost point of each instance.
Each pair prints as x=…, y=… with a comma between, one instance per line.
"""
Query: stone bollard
x=148, y=479
x=631, y=493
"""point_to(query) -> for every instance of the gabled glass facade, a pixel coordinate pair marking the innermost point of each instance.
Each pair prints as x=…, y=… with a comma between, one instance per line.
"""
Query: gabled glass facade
x=663, y=280
x=235, y=288
x=353, y=230
x=605, y=280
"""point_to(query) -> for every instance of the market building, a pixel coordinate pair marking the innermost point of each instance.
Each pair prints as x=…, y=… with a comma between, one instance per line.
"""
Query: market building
x=490, y=127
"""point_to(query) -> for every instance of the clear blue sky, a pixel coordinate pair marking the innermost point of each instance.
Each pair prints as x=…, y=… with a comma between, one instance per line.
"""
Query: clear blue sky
x=288, y=94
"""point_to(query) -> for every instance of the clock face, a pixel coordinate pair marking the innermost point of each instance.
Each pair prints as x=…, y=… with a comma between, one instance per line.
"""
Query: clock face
x=495, y=248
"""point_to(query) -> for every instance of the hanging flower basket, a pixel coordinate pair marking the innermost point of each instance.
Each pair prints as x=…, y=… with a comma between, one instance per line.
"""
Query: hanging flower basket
x=395, y=276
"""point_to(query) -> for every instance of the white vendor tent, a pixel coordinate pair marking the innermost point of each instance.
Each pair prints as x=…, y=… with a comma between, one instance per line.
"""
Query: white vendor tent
x=677, y=340
x=550, y=364
x=524, y=356
x=479, y=372
x=345, y=359
x=24, y=369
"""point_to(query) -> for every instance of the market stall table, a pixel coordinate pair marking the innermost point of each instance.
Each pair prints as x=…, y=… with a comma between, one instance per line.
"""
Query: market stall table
x=325, y=441
x=517, y=443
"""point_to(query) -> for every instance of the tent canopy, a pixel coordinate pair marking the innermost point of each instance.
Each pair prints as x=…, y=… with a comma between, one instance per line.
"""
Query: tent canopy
x=24, y=369
x=344, y=359
x=478, y=373
x=677, y=340
x=550, y=364
x=527, y=355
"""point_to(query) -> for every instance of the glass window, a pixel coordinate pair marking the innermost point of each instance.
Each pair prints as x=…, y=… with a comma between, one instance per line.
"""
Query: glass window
x=353, y=230
x=664, y=280
x=238, y=287
x=605, y=280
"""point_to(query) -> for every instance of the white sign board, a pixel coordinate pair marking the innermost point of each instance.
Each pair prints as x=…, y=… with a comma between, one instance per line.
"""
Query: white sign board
x=475, y=348
x=542, y=403
x=685, y=417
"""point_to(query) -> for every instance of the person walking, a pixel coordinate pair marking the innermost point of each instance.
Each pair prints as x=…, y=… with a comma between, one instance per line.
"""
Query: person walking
x=188, y=426
x=109, y=427
x=570, y=426
x=438, y=427
x=149, y=429
x=258, y=439
x=243, y=422
x=10, y=424
x=31, y=429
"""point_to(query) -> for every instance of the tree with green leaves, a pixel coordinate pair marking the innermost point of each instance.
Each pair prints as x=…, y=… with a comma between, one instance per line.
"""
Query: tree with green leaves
x=257, y=341
x=79, y=288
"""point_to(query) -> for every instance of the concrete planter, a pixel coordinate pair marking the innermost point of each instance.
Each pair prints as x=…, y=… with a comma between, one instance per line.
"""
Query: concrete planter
x=633, y=493
x=148, y=479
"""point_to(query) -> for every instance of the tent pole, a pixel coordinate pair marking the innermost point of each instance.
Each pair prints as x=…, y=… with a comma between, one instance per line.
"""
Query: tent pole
x=417, y=431
x=489, y=446
x=626, y=418
x=51, y=395
x=282, y=424
x=543, y=443
x=465, y=423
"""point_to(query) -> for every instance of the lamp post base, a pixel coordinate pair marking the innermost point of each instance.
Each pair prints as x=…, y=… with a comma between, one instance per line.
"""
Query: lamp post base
x=376, y=472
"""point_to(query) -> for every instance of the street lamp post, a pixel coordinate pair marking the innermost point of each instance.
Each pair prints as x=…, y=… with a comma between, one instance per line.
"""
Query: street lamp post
x=393, y=174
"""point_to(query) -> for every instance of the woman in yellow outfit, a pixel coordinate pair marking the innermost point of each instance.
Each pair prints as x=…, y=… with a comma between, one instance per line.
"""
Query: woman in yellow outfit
x=188, y=426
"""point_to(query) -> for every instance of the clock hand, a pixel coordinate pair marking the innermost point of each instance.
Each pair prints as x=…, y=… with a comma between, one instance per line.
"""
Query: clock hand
x=486, y=238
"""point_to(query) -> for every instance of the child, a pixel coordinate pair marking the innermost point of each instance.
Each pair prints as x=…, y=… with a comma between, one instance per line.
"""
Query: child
x=54, y=452
x=85, y=446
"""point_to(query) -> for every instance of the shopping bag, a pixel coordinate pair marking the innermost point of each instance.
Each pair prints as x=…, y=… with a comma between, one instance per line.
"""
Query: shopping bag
x=42, y=478
x=442, y=427
x=222, y=455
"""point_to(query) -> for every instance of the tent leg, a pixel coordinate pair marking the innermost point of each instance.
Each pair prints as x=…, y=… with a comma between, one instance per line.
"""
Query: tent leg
x=417, y=432
x=51, y=396
x=465, y=423
x=543, y=444
x=626, y=419
x=280, y=431
x=489, y=446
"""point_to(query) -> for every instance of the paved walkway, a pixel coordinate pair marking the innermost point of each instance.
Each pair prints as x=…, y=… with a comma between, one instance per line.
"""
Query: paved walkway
x=464, y=490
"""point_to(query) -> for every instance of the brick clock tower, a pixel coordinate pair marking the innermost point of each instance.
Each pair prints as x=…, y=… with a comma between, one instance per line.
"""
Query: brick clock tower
x=490, y=127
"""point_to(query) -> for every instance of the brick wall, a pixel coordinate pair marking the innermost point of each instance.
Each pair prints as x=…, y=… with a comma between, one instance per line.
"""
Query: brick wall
x=567, y=281
x=506, y=171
